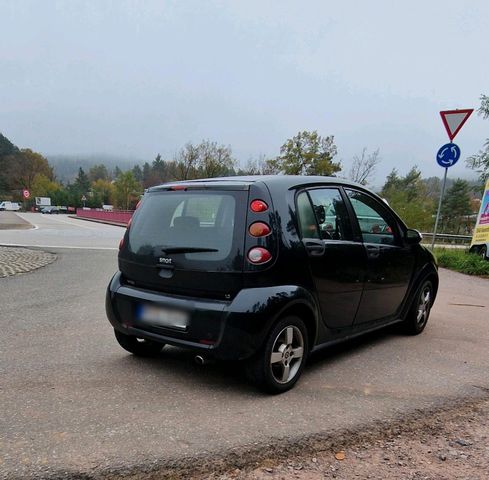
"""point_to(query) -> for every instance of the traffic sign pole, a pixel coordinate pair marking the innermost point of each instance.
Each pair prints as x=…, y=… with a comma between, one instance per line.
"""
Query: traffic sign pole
x=439, y=208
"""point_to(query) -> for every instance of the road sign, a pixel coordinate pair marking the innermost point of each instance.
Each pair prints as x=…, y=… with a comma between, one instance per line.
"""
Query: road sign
x=25, y=193
x=448, y=155
x=84, y=199
x=454, y=120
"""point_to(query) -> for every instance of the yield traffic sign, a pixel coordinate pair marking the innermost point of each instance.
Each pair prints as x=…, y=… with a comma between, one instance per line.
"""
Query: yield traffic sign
x=454, y=120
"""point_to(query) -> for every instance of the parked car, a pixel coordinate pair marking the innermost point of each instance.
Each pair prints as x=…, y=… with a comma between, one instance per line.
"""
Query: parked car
x=266, y=269
x=50, y=210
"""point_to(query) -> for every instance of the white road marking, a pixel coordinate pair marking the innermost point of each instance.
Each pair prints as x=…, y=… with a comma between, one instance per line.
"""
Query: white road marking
x=73, y=224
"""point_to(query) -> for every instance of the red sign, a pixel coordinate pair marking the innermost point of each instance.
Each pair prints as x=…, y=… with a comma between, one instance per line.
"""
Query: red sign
x=25, y=193
x=454, y=120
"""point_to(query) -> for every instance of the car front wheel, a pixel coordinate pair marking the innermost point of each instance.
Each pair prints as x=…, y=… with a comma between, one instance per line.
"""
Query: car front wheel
x=279, y=364
x=138, y=346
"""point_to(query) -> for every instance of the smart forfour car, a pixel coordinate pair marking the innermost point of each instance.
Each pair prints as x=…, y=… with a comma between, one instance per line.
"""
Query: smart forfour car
x=266, y=270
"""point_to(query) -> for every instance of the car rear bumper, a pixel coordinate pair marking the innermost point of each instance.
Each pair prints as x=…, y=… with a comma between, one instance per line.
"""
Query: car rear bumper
x=209, y=329
x=227, y=330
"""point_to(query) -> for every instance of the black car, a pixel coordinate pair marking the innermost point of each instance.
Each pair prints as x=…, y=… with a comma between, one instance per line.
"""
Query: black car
x=50, y=210
x=266, y=269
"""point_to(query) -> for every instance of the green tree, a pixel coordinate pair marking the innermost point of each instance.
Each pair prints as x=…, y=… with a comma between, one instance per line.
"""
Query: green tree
x=214, y=160
x=42, y=186
x=306, y=154
x=138, y=173
x=22, y=168
x=159, y=170
x=456, y=206
x=82, y=182
x=480, y=162
x=409, y=198
x=103, y=191
x=148, y=178
x=187, y=162
x=7, y=150
x=98, y=172
x=127, y=190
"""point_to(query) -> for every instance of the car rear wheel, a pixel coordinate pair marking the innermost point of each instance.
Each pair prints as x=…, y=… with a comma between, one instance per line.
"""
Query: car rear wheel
x=417, y=318
x=138, y=346
x=279, y=364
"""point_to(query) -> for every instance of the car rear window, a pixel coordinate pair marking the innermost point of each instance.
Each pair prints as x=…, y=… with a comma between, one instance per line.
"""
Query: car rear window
x=193, y=220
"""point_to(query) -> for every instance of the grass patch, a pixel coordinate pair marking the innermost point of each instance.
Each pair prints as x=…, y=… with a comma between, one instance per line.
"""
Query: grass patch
x=462, y=261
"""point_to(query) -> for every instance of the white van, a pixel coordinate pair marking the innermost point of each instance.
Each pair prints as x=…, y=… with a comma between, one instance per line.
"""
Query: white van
x=12, y=206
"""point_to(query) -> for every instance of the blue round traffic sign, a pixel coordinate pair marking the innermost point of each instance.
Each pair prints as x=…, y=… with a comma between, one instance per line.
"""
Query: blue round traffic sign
x=448, y=155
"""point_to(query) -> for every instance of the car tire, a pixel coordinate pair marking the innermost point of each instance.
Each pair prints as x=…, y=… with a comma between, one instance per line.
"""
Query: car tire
x=483, y=252
x=138, y=346
x=417, y=317
x=277, y=366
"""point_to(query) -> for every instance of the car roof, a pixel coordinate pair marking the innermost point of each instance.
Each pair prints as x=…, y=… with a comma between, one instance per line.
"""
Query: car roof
x=279, y=181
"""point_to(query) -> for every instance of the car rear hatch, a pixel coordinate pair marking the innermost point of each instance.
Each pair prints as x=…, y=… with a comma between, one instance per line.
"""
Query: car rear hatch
x=188, y=239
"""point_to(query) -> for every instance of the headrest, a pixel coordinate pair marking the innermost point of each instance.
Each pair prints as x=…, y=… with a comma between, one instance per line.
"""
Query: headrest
x=188, y=223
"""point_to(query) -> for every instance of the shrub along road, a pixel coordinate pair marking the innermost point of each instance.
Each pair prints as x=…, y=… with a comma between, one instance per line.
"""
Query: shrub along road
x=74, y=402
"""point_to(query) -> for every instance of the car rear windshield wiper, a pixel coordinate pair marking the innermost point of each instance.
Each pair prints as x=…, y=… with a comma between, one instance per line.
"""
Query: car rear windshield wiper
x=188, y=249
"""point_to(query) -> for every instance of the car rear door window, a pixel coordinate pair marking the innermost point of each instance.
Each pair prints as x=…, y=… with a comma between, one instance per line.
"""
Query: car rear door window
x=307, y=220
x=331, y=214
x=376, y=225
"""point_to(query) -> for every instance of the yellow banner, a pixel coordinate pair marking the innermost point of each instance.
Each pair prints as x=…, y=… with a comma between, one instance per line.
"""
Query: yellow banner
x=481, y=231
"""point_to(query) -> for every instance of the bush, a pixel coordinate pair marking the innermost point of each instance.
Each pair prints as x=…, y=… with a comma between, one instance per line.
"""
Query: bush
x=461, y=260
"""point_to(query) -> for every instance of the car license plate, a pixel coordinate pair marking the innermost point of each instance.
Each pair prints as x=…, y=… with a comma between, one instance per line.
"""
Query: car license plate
x=163, y=317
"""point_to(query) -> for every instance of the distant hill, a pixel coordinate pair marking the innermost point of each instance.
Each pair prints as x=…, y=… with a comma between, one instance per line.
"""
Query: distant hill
x=6, y=146
x=66, y=166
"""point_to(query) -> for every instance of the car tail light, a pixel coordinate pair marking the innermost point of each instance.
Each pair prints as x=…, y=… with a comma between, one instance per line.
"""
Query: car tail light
x=258, y=206
x=178, y=187
x=259, y=255
x=259, y=229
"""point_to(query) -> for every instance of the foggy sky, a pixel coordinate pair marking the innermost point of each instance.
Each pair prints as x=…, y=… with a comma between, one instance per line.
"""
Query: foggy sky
x=137, y=78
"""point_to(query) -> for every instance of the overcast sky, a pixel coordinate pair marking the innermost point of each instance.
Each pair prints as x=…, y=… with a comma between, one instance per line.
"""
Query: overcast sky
x=142, y=77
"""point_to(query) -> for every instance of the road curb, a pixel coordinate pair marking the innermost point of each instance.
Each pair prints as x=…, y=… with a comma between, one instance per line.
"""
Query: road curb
x=106, y=222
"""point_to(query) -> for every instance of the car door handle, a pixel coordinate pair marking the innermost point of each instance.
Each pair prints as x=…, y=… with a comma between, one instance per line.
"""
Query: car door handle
x=315, y=248
x=373, y=251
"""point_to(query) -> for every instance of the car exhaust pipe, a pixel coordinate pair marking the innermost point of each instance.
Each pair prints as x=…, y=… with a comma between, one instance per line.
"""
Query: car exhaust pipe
x=200, y=360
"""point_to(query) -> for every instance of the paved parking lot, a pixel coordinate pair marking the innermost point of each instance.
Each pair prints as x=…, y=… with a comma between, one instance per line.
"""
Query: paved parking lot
x=73, y=401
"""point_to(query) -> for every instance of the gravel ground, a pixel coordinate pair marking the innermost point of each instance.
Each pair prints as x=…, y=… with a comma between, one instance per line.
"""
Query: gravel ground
x=451, y=444
x=22, y=260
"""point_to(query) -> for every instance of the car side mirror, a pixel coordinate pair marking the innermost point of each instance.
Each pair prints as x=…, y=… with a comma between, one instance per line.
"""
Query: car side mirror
x=413, y=236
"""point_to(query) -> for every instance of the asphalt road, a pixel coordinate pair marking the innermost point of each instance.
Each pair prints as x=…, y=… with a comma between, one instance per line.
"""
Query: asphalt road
x=73, y=401
x=62, y=231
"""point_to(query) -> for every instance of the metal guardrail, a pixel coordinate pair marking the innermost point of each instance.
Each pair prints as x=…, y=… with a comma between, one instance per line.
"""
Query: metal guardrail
x=448, y=238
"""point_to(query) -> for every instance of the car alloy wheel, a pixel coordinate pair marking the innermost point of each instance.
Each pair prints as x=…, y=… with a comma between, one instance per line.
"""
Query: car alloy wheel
x=277, y=366
x=419, y=312
x=424, y=305
x=286, y=355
